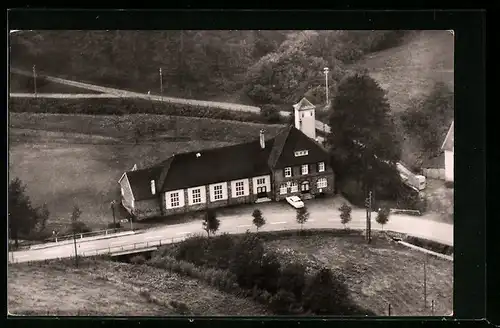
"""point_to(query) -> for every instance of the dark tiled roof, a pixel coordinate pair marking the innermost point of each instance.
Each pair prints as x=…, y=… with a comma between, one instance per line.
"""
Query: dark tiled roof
x=140, y=181
x=214, y=165
x=296, y=140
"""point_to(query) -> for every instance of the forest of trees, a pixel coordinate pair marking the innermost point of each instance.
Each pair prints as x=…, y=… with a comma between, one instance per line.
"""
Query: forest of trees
x=260, y=67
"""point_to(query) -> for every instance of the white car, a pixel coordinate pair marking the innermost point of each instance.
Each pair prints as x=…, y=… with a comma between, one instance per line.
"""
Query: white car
x=295, y=201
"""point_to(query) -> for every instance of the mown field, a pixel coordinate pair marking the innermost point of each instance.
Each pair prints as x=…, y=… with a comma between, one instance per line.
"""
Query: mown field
x=24, y=84
x=106, y=288
x=379, y=274
x=78, y=159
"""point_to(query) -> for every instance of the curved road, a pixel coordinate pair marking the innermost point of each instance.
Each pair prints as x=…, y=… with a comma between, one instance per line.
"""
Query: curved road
x=279, y=216
x=117, y=93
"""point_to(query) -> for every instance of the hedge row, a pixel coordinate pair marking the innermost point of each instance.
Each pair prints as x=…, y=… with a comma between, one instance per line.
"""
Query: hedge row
x=121, y=106
x=244, y=265
x=430, y=245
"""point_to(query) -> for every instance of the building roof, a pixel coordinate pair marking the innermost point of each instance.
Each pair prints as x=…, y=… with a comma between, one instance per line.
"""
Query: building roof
x=448, y=143
x=303, y=104
x=228, y=163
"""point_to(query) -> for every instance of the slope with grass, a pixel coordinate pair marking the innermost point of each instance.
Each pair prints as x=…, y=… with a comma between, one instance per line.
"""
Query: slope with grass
x=378, y=274
x=78, y=159
x=409, y=71
x=104, y=288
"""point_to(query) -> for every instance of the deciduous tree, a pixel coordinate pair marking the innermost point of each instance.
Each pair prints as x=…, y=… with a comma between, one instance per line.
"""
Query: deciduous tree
x=302, y=216
x=345, y=214
x=258, y=219
x=211, y=223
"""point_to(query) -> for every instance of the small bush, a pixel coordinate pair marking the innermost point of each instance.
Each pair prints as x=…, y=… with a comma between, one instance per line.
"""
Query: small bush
x=246, y=260
x=180, y=307
x=282, y=302
x=293, y=279
x=193, y=250
x=138, y=259
x=115, y=225
x=326, y=294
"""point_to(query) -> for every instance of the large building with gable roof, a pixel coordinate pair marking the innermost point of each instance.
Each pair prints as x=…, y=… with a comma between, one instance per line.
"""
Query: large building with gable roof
x=266, y=169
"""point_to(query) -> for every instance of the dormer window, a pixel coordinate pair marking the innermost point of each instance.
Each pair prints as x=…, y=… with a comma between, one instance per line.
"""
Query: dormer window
x=153, y=187
x=299, y=153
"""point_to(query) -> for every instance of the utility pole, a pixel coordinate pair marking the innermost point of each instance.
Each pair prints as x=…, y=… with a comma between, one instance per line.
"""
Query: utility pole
x=161, y=85
x=113, y=210
x=326, y=83
x=76, y=253
x=34, y=78
x=425, y=281
x=368, y=205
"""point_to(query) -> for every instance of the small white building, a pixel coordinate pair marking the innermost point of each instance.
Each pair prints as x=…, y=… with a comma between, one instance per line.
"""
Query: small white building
x=448, y=148
x=305, y=118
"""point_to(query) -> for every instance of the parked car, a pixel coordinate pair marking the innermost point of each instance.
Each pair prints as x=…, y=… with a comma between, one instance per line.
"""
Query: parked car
x=295, y=201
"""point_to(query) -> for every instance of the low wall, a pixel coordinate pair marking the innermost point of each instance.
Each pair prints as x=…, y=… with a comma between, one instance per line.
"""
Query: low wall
x=434, y=173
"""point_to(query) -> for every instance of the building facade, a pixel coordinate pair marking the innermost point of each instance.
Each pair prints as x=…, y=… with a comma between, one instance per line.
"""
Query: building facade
x=267, y=169
x=448, y=147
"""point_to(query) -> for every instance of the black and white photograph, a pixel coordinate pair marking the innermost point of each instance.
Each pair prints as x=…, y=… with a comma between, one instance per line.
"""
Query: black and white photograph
x=194, y=173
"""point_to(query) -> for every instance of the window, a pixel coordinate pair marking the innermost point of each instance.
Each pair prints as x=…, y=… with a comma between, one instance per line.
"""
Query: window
x=261, y=181
x=174, y=199
x=322, y=183
x=239, y=188
x=153, y=187
x=304, y=186
x=288, y=172
x=321, y=167
x=218, y=193
x=295, y=187
x=301, y=153
x=305, y=169
x=283, y=189
x=196, y=196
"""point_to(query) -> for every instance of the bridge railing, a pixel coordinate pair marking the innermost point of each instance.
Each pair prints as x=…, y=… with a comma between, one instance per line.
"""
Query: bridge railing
x=134, y=246
x=57, y=238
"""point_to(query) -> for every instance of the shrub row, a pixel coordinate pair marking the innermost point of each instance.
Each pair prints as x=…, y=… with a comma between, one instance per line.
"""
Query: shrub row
x=430, y=245
x=220, y=279
x=242, y=264
x=121, y=106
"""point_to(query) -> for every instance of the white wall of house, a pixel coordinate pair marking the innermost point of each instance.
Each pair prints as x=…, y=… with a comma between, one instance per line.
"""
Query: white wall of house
x=267, y=183
x=128, y=200
x=174, y=199
x=448, y=165
x=240, y=188
x=305, y=121
x=216, y=186
x=197, y=195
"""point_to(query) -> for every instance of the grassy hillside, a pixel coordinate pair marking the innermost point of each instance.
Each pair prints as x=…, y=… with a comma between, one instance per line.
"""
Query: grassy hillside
x=378, y=274
x=409, y=71
x=106, y=288
x=78, y=159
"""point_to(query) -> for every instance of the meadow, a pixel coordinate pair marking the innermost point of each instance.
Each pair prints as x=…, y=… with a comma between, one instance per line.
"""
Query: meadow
x=78, y=159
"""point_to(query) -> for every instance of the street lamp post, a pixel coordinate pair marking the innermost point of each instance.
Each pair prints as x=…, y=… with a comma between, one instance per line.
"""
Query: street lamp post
x=326, y=83
x=34, y=78
x=113, y=210
x=161, y=85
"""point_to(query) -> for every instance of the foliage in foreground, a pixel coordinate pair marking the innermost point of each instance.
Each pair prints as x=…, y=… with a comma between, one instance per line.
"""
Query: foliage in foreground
x=249, y=269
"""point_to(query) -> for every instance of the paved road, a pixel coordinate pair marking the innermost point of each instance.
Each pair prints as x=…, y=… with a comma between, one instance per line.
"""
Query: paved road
x=279, y=216
x=118, y=93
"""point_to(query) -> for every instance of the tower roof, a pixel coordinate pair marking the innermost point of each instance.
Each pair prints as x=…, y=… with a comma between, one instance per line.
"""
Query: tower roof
x=303, y=104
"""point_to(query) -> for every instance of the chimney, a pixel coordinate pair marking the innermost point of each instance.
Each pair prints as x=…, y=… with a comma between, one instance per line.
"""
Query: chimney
x=262, y=142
